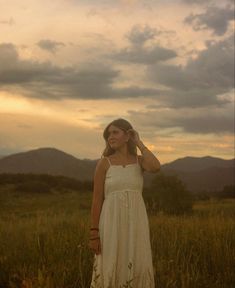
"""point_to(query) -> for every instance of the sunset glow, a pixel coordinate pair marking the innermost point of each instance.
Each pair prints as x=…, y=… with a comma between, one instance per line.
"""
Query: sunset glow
x=68, y=68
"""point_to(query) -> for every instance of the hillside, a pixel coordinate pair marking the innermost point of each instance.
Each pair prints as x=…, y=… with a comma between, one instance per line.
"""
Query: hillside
x=198, y=173
x=203, y=173
x=48, y=160
x=190, y=164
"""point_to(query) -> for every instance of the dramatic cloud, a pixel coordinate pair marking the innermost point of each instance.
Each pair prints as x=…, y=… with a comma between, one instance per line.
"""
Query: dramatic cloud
x=205, y=2
x=138, y=53
x=196, y=1
x=88, y=62
x=144, y=56
x=49, y=45
x=215, y=18
x=139, y=35
x=46, y=81
x=198, y=121
x=202, y=79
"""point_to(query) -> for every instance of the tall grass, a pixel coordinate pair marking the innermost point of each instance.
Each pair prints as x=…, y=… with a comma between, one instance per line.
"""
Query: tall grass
x=196, y=251
x=44, y=243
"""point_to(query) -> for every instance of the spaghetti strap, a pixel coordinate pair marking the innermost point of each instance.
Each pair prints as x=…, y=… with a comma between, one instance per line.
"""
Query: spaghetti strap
x=108, y=160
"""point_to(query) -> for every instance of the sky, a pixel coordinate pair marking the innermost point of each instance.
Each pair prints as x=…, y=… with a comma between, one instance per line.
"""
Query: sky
x=70, y=67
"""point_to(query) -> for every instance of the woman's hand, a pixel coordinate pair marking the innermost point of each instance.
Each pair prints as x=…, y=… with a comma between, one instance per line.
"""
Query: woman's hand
x=134, y=135
x=95, y=245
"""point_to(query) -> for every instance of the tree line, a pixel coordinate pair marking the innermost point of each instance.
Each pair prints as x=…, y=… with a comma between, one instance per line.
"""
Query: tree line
x=166, y=193
x=43, y=183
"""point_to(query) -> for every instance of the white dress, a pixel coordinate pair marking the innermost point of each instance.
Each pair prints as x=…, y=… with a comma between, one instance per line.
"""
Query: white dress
x=124, y=232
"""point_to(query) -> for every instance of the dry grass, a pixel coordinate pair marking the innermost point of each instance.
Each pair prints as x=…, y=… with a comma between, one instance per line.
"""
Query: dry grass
x=43, y=243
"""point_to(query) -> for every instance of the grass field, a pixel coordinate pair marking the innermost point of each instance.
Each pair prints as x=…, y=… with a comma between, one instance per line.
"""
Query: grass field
x=43, y=243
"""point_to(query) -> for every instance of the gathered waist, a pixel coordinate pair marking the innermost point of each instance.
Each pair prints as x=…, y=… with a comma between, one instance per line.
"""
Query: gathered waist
x=124, y=192
x=124, y=196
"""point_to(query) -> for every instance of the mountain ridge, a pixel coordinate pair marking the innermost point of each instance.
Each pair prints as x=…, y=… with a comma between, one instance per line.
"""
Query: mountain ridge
x=198, y=173
x=48, y=160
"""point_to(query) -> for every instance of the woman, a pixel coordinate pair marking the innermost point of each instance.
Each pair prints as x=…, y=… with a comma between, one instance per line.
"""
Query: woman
x=119, y=233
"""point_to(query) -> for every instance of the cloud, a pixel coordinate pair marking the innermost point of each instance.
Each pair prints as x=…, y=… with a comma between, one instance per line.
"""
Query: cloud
x=44, y=80
x=198, y=121
x=196, y=1
x=144, y=56
x=138, y=53
x=208, y=123
x=205, y=2
x=136, y=91
x=201, y=80
x=139, y=34
x=215, y=18
x=49, y=45
x=47, y=81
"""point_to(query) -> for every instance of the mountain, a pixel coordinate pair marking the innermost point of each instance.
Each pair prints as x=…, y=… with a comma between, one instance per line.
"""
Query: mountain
x=202, y=173
x=210, y=179
x=194, y=164
x=197, y=173
x=50, y=161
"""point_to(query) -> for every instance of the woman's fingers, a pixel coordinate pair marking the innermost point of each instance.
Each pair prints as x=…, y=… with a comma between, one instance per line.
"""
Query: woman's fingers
x=97, y=249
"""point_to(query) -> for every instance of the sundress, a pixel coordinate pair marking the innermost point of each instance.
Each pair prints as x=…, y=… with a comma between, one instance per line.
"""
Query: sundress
x=126, y=255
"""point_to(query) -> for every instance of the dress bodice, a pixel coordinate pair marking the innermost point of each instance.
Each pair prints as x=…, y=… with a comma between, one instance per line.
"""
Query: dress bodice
x=119, y=178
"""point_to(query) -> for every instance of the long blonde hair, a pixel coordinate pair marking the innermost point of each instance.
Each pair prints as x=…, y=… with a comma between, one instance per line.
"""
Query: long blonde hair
x=124, y=125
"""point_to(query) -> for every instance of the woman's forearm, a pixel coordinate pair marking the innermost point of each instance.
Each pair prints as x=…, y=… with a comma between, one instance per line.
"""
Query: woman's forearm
x=95, y=213
x=148, y=157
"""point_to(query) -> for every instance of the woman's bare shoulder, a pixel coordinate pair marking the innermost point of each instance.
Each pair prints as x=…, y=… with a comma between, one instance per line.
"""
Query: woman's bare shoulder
x=102, y=164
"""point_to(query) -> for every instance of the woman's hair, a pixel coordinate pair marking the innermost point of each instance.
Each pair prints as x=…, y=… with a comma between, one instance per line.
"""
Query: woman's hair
x=124, y=125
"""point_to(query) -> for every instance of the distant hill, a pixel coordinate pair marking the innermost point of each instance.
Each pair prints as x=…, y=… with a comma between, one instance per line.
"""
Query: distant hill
x=203, y=173
x=50, y=161
x=198, y=173
x=195, y=164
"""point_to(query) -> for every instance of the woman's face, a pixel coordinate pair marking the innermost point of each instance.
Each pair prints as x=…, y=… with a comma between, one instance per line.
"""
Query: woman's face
x=116, y=137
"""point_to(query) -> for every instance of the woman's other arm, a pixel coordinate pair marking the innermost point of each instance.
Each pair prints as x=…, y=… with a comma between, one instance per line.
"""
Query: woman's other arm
x=98, y=192
x=148, y=160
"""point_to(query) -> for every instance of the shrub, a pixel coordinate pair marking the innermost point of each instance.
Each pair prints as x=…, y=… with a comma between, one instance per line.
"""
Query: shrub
x=33, y=186
x=171, y=195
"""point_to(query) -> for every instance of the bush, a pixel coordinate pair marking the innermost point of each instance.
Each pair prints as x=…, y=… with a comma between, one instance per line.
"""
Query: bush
x=171, y=195
x=33, y=186
x=228, y=191
x=29, y=181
